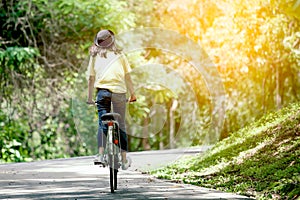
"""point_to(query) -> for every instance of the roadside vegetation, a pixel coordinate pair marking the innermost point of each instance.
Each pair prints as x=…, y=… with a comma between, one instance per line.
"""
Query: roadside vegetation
x=254, y=46
x=260, y=160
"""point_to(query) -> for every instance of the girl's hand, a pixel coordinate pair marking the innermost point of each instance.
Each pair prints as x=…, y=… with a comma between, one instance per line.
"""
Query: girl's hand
x=90, y=102
x=132, y=98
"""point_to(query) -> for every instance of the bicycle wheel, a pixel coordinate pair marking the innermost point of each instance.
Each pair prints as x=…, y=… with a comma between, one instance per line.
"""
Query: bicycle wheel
x=116, y=172
x=111, y=174
x=115, y=179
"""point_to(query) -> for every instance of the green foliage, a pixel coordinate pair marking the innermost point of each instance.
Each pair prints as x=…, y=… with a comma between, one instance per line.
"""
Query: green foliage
x=56, y=138
x=12, y=145
x=18, y=66
x=86, y=18
x=42, y=47
x=289, y=7
x=85, y=119
x=157, y=87
x=253, y=44
x=260, y=160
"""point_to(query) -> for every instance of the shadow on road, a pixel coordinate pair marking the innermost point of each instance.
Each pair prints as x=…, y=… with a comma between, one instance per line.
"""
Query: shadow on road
x=78, y=178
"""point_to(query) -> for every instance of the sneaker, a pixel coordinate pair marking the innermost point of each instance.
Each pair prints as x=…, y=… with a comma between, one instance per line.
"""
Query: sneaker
x=126, y=164
x=99, y=159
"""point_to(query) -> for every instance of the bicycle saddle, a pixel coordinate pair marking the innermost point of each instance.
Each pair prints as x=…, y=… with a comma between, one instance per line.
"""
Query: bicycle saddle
x=110, y=116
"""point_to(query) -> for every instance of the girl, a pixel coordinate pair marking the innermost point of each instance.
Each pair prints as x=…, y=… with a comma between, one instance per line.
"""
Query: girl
x=108, y=72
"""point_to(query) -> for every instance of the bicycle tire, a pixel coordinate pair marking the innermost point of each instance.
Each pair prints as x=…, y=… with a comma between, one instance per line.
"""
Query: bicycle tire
x=111, y=173
x=116, y=173
x=115, y=179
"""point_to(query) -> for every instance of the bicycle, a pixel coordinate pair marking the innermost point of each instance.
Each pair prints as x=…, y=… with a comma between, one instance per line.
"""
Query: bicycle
x=112, y=152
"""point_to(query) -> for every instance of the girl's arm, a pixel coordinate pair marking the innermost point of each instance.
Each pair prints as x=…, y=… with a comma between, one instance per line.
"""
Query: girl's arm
x=91, y=82
x=130, y=87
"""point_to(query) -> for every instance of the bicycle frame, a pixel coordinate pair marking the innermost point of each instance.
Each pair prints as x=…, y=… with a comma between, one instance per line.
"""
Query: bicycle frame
x=112, y=149
x=113, y=137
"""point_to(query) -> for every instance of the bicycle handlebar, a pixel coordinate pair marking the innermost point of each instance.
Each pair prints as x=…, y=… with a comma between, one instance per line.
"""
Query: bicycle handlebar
x=95, y=103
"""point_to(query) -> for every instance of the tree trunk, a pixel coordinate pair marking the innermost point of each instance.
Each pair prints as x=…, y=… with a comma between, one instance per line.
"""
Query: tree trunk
x=145, y=140
x=263, y=91
x=172, y=123
x=278, y=97
x=161, y=142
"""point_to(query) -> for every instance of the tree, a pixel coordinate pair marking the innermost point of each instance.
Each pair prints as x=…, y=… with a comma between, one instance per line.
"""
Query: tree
x=42, y=47
x=250, y=42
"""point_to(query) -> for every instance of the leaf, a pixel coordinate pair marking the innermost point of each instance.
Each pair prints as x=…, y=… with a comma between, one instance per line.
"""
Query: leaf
x=15, y=143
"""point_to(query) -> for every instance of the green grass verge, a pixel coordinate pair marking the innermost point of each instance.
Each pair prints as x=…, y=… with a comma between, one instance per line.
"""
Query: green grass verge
x=261, y=160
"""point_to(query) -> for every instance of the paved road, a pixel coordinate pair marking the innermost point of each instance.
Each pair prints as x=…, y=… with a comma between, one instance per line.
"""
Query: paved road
x=78, y=178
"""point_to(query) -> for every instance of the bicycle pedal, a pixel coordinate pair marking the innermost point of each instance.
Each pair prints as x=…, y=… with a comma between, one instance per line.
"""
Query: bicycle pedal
x=102, y=165
x=99, y=163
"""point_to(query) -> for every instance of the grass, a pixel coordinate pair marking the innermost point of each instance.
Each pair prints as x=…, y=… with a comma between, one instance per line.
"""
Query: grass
x=261, y=160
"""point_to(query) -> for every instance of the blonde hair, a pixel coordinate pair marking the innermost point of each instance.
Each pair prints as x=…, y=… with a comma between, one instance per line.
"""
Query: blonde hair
x=94, y=50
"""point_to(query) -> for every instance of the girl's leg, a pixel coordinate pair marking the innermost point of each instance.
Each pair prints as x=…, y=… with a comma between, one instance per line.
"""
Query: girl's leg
x=103, y=101
x=119, y=106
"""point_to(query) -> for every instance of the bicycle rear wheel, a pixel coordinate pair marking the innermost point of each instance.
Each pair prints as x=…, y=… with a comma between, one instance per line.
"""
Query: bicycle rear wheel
x=112, y=179
x=113, y=173
x=116, y=172
x=115, y=178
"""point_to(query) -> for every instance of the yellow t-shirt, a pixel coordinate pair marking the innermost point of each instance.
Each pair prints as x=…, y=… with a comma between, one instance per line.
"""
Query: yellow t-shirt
x=109, y=72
